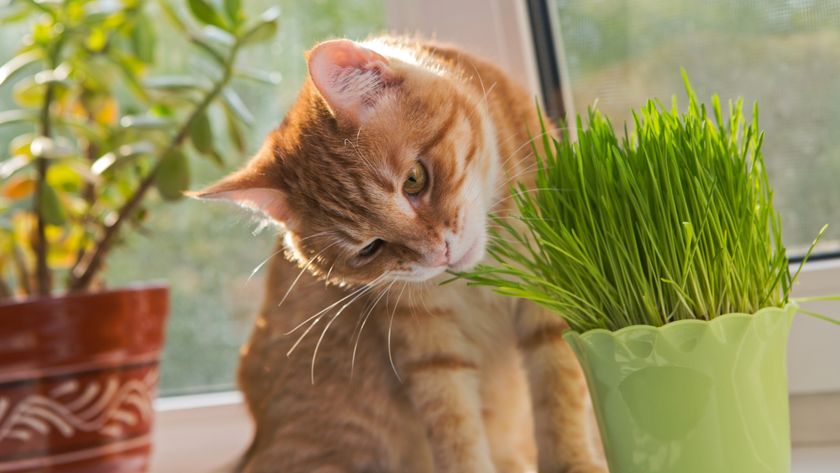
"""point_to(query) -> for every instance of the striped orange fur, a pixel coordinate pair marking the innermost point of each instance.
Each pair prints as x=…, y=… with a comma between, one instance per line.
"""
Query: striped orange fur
x=368, y=364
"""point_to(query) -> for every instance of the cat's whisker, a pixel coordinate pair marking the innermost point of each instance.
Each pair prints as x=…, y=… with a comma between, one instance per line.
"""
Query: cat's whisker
x=329, y=272
x=359, y=292
x=263, y=263
x=480, y=80
x=423, y=299
x=485, y=92
x=359, y=154
x=318, y=234
x=518, y=192
x=303, y=270
x=366, y=315
x=360, y=319
x=390, y=327
x=318, y=314
x=327, y=327
x=363, y=320
x=533, y=139
x=515, y=152
x=527, y=169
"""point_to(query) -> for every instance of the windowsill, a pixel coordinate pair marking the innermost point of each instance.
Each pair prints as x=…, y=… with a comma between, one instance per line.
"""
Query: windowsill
x=203, y=432
x=208, y=432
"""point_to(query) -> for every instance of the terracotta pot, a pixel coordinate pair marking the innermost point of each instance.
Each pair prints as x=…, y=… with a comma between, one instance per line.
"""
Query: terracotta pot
x=78, y=376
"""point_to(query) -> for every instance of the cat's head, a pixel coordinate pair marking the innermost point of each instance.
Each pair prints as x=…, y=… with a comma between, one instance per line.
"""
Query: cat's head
x=382, y=168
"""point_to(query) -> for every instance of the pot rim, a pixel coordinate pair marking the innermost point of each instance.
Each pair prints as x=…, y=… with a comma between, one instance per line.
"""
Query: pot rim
x=132, y=288
x=790, y=306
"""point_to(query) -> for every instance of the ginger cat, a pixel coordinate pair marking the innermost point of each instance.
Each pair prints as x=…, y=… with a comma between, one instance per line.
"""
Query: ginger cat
x=382, y=174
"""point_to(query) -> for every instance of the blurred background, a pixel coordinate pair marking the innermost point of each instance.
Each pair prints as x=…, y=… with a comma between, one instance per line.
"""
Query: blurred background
x=207, y=251
x=785, y=54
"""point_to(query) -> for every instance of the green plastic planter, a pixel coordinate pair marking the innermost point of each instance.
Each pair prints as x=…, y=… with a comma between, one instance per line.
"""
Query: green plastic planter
x=692, y=396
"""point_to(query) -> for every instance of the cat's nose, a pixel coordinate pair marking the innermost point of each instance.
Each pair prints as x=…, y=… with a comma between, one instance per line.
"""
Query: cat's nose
x=439, y=256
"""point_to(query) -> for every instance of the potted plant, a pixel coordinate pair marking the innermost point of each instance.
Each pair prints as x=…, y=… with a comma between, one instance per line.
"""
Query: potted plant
x=79, y=361
x=663, y=253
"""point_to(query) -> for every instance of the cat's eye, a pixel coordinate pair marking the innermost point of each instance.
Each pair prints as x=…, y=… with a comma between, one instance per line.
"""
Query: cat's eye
x=371, y=248
x=415, y=180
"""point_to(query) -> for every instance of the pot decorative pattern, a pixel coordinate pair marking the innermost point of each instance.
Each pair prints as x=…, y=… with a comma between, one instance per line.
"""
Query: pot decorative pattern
x=78, y=378
x=108, y=409
x=692, y=396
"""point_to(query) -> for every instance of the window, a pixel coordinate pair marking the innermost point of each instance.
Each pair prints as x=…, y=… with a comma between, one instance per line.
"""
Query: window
x=209, y=251
x=785, y=54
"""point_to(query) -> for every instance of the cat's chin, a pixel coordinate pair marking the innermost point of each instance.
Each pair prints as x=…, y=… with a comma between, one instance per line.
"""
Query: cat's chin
x=469, y=258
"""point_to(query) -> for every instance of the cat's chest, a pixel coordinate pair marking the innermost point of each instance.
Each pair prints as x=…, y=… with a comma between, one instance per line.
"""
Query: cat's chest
x=485, y=318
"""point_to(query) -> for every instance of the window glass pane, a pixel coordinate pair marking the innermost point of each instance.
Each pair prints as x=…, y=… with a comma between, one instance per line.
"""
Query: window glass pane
x=785, y=54
x=206, y=251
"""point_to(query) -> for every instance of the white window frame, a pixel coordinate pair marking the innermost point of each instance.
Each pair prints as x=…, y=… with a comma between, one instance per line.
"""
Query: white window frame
x=208, y=431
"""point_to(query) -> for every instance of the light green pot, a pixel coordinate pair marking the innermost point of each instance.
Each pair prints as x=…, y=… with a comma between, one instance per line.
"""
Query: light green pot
x=692, y=396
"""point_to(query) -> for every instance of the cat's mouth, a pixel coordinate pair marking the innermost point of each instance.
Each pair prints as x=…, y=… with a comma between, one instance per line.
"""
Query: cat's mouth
x=469, y=258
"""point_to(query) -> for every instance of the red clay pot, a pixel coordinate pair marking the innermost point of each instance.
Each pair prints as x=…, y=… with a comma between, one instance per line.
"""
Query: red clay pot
x=78, y=376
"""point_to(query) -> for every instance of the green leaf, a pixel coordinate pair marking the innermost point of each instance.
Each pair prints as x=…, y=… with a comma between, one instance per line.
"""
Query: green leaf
x=29, y=93
x=45, y=32
x=96, y=40
x=218, y=36
x=14, y=65
x=51, y=208
x=89, y=130
x=234, y=131
x=216, y=157
x=143, y=40
x=17, y=116
x=209, y=49
x=108, y=160
x=201, y=133
x=13, y=13
x=13, y=165
x=233, y=8
x=205, y=13
x=65, y=176
x=173, y=176
x=174, y=83
x=265, y=77
x=145, y=122
x=173, y=16
x=57, y=76
x=130, y=68
x=235, y=104
x=265, y=29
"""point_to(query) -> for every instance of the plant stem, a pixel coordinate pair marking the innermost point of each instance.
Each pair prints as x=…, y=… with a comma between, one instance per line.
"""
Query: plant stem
x=89, y=194
x=43, y=276
x=83, y=274
x=5, y=290
x=23, y=277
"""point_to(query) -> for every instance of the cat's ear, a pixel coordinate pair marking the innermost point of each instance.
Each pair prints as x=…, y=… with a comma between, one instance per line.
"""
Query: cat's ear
x=350, y=77
x=246, y=190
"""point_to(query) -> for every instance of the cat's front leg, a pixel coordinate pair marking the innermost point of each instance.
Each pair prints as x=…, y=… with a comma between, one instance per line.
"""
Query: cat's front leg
x=439, y=370
x=563, y=425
